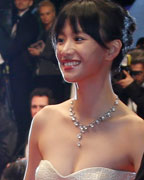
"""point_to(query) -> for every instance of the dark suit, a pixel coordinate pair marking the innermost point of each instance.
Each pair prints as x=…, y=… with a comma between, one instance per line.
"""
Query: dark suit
x=135, y=92
x=8, y=129
x=21, y=69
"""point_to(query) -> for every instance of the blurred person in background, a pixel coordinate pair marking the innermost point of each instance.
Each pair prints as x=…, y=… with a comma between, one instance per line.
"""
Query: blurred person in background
x=47, y=73
x=39, y=98
x=130, y=88
x=25, y=30
x=8, y=126
x=140, y=43
x=14, y=170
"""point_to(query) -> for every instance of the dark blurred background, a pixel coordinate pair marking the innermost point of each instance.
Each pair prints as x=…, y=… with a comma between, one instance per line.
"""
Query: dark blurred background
x=4, y=4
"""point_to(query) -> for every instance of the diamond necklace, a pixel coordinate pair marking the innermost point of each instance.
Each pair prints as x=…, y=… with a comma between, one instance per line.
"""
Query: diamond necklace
x=84, y=128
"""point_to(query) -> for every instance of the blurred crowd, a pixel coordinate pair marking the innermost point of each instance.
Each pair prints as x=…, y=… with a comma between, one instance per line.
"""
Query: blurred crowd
x=128, y=81
x=27, y=64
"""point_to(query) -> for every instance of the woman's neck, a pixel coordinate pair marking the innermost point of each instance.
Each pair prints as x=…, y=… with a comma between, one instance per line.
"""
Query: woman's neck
x=94, y=98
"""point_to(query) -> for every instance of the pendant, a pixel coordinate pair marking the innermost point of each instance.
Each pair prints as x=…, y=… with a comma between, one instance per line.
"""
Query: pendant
x=79, y=136
x=79, y=144
x=84, y=128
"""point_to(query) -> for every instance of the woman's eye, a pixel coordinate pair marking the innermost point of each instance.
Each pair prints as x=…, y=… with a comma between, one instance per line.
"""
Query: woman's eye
x=60, y=40
x=79, y=38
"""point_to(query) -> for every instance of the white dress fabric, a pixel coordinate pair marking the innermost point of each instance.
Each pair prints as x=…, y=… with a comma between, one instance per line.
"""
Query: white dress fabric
x=46, y=171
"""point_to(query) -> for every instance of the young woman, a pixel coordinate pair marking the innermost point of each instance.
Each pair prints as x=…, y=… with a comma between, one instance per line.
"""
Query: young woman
x=94, y=135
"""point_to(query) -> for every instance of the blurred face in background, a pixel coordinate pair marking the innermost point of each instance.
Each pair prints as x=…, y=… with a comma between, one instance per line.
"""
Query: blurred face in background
x=22, y=5
x=47, y=15
x=138, y=70
x=37, y=103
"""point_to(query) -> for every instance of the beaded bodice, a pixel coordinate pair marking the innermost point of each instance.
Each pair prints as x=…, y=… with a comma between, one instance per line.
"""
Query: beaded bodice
x=46, y=171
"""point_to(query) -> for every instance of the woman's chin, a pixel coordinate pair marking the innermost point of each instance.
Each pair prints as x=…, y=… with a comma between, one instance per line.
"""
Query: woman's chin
x=69, y=80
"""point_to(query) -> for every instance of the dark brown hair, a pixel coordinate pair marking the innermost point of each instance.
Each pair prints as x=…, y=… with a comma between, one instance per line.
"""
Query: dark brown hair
x=103, y=20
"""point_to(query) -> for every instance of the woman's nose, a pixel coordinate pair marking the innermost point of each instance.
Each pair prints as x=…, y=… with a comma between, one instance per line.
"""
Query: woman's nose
x=68, y=48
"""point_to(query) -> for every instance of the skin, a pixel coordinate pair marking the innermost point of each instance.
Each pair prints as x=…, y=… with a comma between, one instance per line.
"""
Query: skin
x=67, y=44
x=37, y=103
x=107, y=145
x=22, y=5
x=129, y=79
x=138, y=67
x=47, y=16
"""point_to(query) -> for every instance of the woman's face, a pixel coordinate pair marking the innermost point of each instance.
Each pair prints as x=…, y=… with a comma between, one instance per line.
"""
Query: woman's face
x=80, y=57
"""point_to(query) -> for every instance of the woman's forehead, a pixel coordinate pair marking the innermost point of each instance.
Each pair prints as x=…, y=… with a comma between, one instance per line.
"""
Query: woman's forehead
x=76, y=27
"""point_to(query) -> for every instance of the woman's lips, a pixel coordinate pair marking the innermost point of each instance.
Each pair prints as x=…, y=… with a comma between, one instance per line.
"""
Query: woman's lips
x=69, y=64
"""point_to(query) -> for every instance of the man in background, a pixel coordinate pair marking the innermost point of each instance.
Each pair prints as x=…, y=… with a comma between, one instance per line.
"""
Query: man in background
x=24, y=32
x=39, y=98
x=48, y=74
x=140, y=43
x=131, y=88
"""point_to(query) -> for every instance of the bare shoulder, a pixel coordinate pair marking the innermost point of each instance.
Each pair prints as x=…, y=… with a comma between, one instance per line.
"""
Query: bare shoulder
x=50, y=114
x=136, y=139
x=46, y=119
x=133, y=134
x=135, y=124
x=131, y=121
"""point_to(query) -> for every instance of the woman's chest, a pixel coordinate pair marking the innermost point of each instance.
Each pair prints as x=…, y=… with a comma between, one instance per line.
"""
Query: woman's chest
x=60, y=149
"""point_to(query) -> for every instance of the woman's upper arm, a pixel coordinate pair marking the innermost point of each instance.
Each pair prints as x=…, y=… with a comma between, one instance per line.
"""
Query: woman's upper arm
x=138, y=143
x=34, y=155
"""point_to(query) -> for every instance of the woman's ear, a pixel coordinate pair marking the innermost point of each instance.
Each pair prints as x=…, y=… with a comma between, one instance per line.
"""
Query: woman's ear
x=113, y=50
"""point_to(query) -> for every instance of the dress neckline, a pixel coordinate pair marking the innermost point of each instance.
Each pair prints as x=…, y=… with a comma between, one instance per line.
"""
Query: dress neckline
x=83, y=170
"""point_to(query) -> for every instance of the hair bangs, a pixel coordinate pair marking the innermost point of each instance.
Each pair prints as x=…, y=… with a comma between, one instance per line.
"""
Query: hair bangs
x=79, y=14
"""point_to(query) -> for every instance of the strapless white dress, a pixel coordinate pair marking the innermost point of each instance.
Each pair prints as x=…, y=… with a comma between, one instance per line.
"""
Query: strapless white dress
x=46, y=171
